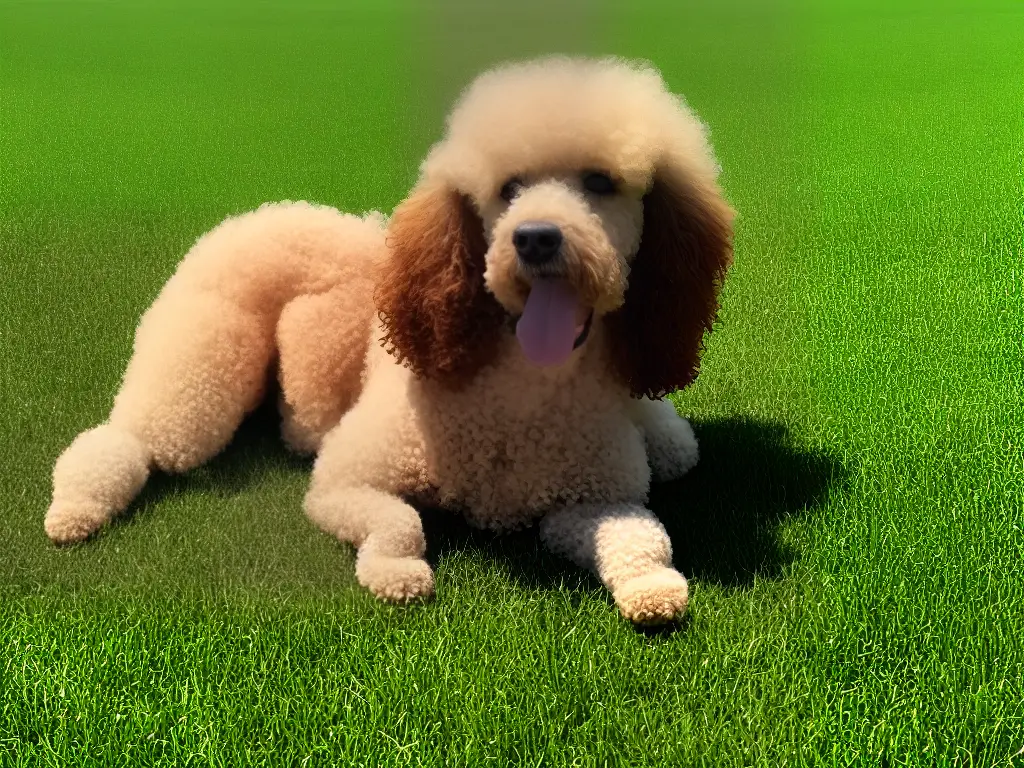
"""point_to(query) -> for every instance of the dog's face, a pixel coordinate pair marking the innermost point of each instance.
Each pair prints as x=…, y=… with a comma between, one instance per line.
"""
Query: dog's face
x=566, y=194
x=559, y=248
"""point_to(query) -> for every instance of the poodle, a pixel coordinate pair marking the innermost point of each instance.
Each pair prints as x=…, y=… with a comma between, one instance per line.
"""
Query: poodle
x=500, y=347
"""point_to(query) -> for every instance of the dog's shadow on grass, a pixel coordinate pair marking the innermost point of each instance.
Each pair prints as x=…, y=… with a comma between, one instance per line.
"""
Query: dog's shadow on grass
x=724, y=516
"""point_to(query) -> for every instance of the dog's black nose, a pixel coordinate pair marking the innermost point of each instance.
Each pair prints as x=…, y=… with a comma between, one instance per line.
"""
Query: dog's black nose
x=537, y=242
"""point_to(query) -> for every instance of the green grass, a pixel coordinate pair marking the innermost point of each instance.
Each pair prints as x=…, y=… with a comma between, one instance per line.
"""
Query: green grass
x=853, y=533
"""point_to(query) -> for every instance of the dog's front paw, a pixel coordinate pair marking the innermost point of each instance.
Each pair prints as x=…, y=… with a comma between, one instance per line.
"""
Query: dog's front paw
x=396, y=579
x=671, y=449
x=654, y=598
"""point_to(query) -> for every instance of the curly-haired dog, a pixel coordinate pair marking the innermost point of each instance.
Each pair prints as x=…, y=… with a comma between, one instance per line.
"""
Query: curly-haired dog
x=499, y=347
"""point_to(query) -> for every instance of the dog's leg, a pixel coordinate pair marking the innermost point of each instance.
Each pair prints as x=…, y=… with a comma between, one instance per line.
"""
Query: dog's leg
x=629, y=550
x=671, y=445
x=322, y=343
x=203, y=350
x=199, y=366
x=362, y=466
x=387, y=534
x=94, y=479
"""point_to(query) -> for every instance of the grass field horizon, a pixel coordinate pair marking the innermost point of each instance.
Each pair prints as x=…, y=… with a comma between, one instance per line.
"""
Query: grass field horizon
x=853, y=532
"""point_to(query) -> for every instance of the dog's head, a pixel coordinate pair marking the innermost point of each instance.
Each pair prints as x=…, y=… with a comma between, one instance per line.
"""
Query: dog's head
x=566, y=193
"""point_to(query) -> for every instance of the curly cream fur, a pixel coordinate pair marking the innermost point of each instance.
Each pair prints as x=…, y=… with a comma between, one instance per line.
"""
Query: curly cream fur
x=293, y=284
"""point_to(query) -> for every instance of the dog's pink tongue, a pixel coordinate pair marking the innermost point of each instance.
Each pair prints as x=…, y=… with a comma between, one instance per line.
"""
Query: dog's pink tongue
x=547, y=328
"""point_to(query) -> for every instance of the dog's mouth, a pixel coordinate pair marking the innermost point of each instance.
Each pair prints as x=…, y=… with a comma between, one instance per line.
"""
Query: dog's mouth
x=554, y=322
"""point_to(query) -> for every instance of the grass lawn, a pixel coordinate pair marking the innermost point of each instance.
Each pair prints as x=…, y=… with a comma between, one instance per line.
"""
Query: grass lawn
x=853, y=534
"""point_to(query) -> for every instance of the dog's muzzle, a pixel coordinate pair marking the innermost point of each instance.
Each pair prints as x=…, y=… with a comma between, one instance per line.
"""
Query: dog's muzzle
x=551, y=325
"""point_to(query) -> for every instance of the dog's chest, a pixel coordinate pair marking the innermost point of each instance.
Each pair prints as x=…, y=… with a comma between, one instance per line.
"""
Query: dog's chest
x=504, y=457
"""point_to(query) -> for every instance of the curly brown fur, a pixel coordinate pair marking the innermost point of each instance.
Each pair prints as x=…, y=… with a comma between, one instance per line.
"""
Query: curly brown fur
x=438, y=316
x=656, y=337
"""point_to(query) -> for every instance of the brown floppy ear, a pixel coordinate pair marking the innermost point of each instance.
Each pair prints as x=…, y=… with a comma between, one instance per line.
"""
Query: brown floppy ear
x=656, y=337
x=439, y=318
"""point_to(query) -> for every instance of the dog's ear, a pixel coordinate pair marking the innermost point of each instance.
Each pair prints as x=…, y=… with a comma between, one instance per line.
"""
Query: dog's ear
x=656, y=336
x=439, y=318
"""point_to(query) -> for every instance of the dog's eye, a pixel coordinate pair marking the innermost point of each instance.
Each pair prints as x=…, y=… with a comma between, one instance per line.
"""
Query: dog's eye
x=510, y=189
x=599, y=183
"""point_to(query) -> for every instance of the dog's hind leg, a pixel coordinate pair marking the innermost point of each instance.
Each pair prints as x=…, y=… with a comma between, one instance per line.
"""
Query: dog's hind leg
x=322, y=343
x=204, y=348
x=323, y=336
x=200, y=364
